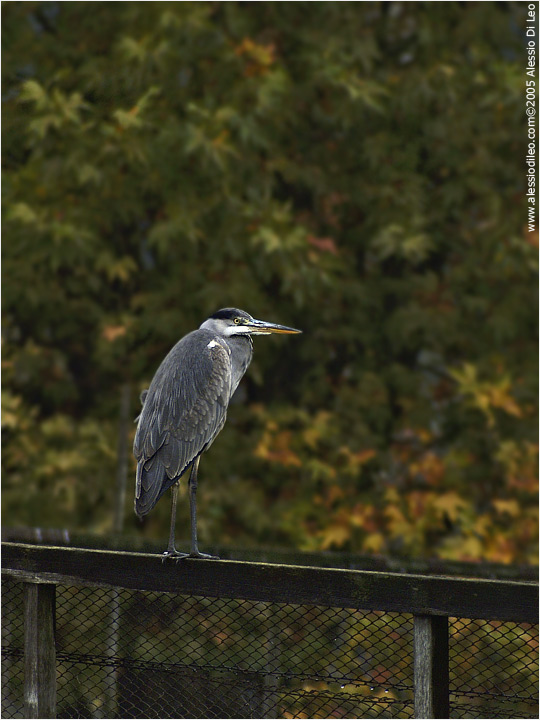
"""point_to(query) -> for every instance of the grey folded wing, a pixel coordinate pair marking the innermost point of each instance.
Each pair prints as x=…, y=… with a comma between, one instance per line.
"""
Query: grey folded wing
x=183, y=411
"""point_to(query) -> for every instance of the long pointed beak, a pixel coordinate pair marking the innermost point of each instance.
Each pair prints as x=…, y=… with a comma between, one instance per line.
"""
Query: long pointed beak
x=261, y=327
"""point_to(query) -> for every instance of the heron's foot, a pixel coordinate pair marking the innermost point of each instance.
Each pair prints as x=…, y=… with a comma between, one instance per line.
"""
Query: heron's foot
x=173, y=555
x=202, y=556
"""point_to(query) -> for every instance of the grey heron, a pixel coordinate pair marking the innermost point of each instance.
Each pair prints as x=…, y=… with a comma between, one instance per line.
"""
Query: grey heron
x=185, y=408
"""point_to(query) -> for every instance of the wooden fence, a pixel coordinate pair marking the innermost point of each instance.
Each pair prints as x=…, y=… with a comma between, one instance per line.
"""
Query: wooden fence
x=431, y=600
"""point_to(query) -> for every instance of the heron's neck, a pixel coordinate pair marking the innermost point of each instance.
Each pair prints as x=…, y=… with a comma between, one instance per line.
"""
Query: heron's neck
x=243, y=340
x=241, y=353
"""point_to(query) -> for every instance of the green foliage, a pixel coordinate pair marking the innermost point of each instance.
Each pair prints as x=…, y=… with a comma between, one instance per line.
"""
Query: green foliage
x=352, y=170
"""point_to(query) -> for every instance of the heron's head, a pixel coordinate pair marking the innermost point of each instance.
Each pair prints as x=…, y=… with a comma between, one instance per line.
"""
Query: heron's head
x=231, y=321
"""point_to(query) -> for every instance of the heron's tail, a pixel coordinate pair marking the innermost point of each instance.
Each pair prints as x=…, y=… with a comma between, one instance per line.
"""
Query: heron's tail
x=152, y=482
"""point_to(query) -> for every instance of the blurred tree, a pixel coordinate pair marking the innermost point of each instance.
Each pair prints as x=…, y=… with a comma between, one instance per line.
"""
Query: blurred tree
x=351, y=169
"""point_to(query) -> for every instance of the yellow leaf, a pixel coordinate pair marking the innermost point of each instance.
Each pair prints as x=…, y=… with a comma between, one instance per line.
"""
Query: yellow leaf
x=450, y=504
x=459, y=548
x=391, y=495
x=500, y=398
x=482, y=525
x=510, y=507
x=374, y=542
x=334, y=535
x=398, y=525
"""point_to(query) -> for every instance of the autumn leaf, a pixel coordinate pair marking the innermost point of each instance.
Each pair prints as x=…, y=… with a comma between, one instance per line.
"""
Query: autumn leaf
x=374, y=542
x=364, y=516
x=486, y=395
x=501, y=398
x=450, y=504
x=112, y=332
x=324, y=244
x=461, y=548
x=507, y=507
x=317, y=429
x=260, y=57
x=276, y=448
x=430, y=467
x=334, y=536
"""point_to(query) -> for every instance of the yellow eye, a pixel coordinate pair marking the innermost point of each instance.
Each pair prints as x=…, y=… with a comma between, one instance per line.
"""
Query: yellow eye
x=237, y=321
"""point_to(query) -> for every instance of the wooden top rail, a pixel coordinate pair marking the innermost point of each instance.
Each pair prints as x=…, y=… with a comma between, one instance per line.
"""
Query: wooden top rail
x=280, y=556
x=265, y=582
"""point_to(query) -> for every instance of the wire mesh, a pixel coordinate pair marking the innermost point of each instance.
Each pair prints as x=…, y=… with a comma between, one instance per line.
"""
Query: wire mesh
x=12, y=649
x=130, y=654
x=493, y=669
x=159, y=655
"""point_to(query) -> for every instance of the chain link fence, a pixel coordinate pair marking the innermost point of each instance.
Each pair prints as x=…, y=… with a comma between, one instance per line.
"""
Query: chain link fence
x=134, y=654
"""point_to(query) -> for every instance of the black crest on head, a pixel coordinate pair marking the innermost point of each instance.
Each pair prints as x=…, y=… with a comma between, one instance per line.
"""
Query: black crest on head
x=230, y=314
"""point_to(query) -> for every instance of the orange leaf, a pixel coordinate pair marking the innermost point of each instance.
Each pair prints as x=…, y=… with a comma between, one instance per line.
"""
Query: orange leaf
x=325, y=244
x=111, y=332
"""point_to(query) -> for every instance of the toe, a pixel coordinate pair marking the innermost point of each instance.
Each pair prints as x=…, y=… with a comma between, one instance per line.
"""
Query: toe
x=203, y=556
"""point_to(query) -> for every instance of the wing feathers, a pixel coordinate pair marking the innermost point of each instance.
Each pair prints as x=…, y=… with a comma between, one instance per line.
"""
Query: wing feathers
x=184, y=410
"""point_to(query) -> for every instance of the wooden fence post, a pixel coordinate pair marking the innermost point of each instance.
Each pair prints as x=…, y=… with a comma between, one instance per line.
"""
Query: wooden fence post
x=39, y=650
x=431, y=675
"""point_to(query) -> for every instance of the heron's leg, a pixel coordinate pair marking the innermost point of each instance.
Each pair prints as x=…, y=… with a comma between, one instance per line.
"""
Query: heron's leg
x=171, y=551
x=193, y=511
